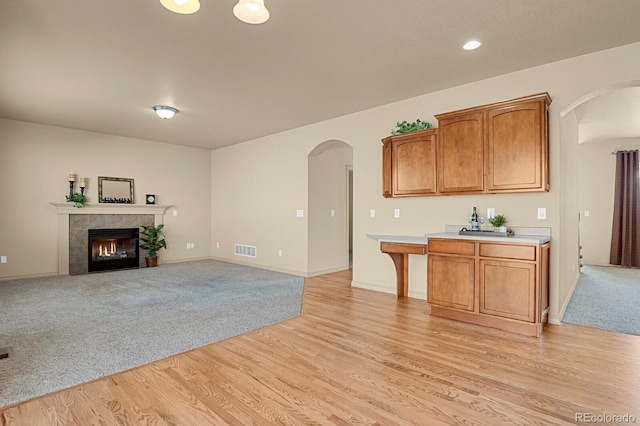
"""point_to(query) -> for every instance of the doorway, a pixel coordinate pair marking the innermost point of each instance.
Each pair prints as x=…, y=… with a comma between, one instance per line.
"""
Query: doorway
x=330, y=204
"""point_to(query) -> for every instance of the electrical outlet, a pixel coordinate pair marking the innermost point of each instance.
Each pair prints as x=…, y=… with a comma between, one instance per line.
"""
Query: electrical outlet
x=491, y=213
x=3, y=259
x=333, y=213
x=175, y=212
x=542, y=213
x=280, y=252
x=373, y=213
x=396, y=213
x=217, y=244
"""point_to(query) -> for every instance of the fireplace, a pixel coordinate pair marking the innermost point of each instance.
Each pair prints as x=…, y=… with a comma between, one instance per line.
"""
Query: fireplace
x=113, y=249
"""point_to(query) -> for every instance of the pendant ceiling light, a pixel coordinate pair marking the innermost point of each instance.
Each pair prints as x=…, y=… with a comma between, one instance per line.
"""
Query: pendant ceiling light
x=184, y=7
x=165, y=112
x=251, y=11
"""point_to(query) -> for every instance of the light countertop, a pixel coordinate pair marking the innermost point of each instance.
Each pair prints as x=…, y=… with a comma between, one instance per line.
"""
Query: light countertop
x=521, y=235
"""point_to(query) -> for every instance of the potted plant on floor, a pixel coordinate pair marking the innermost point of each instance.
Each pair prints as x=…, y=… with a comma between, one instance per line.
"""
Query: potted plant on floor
x=153, y=240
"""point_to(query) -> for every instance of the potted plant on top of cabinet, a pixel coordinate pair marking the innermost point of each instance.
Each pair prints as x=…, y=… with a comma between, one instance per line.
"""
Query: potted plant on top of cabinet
x=409, y=160
x=153, y=240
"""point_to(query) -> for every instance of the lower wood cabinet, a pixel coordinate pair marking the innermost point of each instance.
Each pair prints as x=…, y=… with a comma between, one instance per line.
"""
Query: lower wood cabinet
x=501, y=285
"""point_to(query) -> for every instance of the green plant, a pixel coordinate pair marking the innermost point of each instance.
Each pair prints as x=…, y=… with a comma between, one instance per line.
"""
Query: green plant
x=405, y=127
x=153, y=239
x=498, y=220
x=79, y=200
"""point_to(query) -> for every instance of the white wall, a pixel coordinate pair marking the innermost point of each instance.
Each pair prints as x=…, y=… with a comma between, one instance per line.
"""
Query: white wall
x=36, y=160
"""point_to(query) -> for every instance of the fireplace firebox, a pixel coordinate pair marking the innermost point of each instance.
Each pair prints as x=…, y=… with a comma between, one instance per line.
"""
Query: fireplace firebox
x=111, y=249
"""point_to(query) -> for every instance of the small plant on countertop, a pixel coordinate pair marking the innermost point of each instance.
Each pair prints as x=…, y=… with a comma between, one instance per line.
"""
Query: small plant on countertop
x=405, y=127
x=498, y=220
x=79, y=200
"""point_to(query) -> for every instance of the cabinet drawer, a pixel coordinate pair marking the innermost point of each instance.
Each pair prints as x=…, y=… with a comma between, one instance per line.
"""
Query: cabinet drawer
x=508, y=251
x=464, y=248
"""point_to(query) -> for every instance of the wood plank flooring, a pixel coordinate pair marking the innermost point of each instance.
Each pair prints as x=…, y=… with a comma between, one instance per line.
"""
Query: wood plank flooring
x=357, y=357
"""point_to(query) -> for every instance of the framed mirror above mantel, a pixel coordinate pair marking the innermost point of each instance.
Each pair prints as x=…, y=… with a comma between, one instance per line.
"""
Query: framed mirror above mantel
x=115, y=190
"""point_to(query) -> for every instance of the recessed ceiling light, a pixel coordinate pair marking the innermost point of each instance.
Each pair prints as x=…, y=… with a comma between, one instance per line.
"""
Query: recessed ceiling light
x=471, y=45
x=183, y=7
x=165, y=112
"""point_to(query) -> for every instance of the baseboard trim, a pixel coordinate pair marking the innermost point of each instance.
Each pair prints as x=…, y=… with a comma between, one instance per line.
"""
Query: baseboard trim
x=256, y=265
x=374, y=287
x=191, y=259
x=22, y=277
x=557, y=320
x=327, y=271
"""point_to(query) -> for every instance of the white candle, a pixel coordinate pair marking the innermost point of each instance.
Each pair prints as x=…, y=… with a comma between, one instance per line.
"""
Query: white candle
x=72, y=177
x=83, y=182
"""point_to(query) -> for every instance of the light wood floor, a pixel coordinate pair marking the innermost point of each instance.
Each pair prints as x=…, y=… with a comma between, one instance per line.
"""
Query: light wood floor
x=360, y=357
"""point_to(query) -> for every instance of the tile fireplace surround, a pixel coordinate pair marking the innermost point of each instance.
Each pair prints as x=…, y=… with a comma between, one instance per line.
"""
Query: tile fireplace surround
x=73, y=224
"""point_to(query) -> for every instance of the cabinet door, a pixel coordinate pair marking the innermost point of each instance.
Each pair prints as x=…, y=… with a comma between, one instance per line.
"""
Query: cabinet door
x=517, y=148
x=461, y=153
x=386, y=169
x=507, y=289
x=414, y=165
x=450, y=281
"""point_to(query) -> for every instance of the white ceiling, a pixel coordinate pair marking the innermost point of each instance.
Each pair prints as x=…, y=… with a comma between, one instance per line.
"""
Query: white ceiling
x=100, y=65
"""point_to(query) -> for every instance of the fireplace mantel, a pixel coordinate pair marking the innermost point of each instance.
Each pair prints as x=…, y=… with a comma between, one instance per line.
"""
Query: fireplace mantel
x=110, y=208
x=66, y=209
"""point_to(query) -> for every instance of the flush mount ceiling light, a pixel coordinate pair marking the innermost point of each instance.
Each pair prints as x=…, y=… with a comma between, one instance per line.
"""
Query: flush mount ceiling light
x=471, y=45
x=251, y=11
x=165, y=112
x=183, y=7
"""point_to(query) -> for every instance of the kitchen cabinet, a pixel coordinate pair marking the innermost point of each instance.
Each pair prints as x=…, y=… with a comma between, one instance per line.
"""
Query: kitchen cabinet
x=495, y=148
x=517, y=146
x=409, y=164
x=497, y=284
x=461, y=153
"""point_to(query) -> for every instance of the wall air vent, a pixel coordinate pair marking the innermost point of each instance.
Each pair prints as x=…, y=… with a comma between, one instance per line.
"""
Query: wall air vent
x=244, y=250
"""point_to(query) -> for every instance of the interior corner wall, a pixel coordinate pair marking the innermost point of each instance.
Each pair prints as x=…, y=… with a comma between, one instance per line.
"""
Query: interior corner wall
x=35, y=163
x=258, y=185
x=568, y=230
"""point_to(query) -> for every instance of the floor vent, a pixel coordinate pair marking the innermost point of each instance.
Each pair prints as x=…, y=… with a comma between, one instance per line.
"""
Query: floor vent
x=6, y=352
x=243, y=250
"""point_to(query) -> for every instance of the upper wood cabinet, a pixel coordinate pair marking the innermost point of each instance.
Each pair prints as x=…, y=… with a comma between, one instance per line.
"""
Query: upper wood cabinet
x=500, y=147
x=517, y=146
x=461, y=153
x=409, y=164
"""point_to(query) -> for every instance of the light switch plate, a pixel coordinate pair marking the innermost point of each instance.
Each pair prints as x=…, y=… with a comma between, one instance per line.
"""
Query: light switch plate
x=373, y=213
x=542, y=213
x=586, y=213
x=396, y=212
x=491, y=213
x=333, y=213
x=3, y=259
x=299, y=213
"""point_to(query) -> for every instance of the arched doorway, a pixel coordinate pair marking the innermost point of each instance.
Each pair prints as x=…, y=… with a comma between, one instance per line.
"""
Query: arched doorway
x=330, y=180
x=592, y=128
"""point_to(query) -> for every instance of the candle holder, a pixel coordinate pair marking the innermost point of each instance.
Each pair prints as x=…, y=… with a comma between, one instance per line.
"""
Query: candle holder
x=71, y=183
